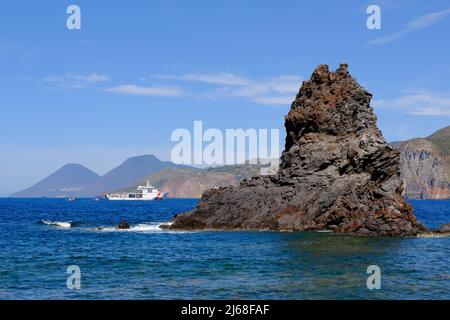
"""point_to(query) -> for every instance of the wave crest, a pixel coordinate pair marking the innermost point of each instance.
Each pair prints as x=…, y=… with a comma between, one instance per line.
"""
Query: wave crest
x=61, y=224
x=146, y=227
x=141, y=227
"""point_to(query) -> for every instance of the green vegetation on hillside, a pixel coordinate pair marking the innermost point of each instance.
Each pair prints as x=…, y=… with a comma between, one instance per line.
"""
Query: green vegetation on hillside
x=441, y=139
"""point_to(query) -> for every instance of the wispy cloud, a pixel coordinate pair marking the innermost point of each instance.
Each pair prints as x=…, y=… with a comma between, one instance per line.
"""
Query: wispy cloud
x=146, y=91
x=420, y=104
x=277, y=90
x=416, y=24
x=218, y=78
x=77, y=80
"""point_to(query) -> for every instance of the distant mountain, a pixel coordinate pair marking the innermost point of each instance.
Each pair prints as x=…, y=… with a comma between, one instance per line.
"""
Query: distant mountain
x=74, y=180
x=425, y=165
x=126, y=175
x=69, y=180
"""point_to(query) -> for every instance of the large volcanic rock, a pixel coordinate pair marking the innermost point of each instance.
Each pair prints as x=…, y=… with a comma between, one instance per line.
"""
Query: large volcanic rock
x=337, y=172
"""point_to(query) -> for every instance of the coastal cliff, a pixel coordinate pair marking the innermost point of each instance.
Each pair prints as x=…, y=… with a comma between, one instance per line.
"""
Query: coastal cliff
x=337, y=173
x=424, y=170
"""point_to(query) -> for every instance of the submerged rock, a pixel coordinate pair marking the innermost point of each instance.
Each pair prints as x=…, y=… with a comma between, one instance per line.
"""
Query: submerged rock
x=123, y=225
x=337, y=172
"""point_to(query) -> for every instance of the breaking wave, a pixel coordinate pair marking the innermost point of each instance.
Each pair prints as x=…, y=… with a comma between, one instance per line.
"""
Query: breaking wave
x=147, y=227
x=432, y=235
x=141, y=227
x=61, y=224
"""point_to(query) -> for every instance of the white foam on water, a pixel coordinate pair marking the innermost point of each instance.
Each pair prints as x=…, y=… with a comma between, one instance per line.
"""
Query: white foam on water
x=146, y=227
x=61, y=224
x=432, y=235
x=151, y=227
x=142, y=227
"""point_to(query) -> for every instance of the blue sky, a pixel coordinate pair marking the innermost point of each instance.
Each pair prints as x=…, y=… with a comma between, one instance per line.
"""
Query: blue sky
x=137, y=70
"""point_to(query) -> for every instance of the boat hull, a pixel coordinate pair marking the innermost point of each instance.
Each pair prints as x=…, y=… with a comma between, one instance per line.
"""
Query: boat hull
x=143, y=193
x=127, y=198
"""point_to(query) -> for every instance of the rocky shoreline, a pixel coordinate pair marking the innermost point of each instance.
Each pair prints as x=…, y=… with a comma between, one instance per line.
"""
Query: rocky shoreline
x=337, y=172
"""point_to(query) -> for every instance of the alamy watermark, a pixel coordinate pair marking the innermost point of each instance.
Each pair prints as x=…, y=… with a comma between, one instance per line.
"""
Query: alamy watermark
x=73, y=22
x=212, y=147
x=374, y=280
x=374, y=20
x=74, y=278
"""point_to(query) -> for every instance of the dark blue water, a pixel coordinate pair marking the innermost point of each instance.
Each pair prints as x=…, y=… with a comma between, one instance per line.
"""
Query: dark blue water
x=145, y=263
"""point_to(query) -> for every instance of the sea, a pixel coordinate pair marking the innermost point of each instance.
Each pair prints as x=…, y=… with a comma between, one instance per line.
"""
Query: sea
x=58, y=249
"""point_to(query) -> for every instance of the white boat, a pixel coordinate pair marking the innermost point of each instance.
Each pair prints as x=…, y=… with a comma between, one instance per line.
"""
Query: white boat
x=142, y=193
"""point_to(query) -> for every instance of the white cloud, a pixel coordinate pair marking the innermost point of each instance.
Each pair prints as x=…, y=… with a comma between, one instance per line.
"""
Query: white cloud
x=146, y=91
x=77, y=80
x=218, y=78
x=420, y=104
x=416, y=24
x=272, y=89
x=278, y=90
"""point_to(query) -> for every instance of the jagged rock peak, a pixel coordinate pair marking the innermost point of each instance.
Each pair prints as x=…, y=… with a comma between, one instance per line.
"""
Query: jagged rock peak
x=330, y=102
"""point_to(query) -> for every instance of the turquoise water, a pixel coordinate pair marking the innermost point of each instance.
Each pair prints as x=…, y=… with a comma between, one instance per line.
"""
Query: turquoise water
x=145, y=263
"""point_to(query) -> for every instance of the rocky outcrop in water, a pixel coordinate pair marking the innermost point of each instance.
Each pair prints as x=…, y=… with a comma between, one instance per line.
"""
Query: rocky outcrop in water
x=337, y=172
x=123, y=225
